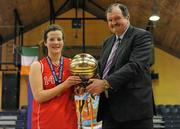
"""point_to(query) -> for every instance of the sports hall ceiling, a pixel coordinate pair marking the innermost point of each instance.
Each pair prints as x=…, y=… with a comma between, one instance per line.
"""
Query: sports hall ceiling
x=31, y=13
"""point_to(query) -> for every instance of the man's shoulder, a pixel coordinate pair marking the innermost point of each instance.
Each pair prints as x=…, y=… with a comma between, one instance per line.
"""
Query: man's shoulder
x=140, y=30
x=109, y=37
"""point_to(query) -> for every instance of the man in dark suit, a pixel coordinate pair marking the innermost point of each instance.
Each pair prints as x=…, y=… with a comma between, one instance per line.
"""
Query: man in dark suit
x=125, y=85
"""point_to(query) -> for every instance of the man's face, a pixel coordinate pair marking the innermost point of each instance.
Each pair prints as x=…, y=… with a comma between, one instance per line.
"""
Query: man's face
x=117, y=23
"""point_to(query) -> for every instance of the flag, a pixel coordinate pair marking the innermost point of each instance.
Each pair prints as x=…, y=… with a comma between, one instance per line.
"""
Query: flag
x=29, y=55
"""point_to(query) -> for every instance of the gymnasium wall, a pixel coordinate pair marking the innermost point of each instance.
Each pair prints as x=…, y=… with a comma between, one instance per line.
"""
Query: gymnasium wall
x=94, y=36
x=166, y=88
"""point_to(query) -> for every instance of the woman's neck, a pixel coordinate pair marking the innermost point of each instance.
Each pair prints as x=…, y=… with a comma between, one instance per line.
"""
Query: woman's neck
x=55, y=58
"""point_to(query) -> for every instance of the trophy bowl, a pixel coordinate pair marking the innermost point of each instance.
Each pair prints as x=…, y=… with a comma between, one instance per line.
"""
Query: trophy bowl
x=84, y=65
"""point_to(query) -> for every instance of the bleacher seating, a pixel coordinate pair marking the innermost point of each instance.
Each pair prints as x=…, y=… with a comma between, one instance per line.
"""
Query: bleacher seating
x=8, y=119
x=170, y=116
x=14, y=119
x=158, y=122
x=21, y=122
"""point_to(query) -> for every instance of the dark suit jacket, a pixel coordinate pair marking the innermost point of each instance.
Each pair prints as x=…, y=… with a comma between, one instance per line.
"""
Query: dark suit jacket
x=130, y=97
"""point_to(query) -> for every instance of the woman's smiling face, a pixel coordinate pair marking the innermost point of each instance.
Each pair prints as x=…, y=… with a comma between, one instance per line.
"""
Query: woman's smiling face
x=54, y=42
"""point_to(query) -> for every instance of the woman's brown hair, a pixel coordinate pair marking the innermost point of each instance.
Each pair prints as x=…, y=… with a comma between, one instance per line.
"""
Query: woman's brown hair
x=42, y=48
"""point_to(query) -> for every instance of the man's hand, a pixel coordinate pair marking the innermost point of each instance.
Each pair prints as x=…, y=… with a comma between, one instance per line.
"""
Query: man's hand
x=95, y=87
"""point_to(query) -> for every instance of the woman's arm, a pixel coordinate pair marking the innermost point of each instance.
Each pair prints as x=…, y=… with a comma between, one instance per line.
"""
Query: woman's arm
x=36, y=83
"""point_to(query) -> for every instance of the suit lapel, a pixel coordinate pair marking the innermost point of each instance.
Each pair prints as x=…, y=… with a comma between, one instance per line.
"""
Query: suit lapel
x=123, y=44
x=107, y=51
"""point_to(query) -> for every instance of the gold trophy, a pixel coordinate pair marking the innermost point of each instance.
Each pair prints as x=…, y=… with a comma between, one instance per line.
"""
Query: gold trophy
x=85, y=66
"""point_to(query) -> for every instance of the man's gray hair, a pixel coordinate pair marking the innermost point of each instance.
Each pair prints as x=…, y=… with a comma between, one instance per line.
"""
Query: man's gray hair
x=122, y=7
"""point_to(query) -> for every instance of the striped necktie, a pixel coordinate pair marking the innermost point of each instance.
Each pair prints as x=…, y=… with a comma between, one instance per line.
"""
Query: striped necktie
x=109, y=61
x=111, y=57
